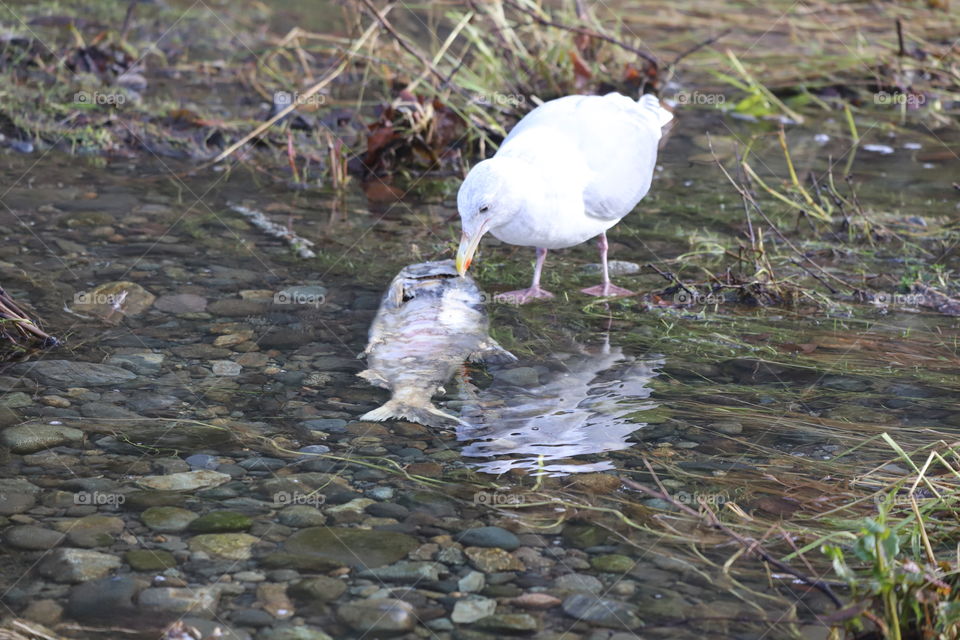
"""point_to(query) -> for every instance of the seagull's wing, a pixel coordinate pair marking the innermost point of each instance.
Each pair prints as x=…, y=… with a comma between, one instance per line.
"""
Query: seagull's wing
x=615, y=137
x=624, y=161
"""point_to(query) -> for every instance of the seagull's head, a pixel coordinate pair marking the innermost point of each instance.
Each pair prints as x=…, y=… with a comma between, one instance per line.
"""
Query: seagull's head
x=489, y=197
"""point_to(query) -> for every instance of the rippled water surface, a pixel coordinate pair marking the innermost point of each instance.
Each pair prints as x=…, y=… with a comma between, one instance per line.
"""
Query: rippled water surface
x=215, y=372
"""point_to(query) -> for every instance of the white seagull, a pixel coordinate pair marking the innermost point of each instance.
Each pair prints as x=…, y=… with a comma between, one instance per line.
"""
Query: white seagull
x=568, y=171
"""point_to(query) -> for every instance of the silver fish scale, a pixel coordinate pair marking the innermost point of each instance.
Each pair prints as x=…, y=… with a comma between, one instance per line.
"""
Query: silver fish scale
x=430, y=321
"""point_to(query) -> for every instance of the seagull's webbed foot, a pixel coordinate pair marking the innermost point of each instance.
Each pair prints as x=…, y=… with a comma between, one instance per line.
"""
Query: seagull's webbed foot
x=607, y=290
x=522, y=296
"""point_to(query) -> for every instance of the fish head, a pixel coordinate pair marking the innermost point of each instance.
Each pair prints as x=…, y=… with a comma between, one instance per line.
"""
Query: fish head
x=490, y=196
x=415, y=280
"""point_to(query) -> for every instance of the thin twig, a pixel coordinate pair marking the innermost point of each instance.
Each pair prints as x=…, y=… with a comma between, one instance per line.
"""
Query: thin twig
x=382, y=19
x=697, y=47
x=582, y=31
x=669, y=277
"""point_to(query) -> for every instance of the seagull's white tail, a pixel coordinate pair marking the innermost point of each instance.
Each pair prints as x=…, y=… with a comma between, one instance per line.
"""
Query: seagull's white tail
x=651, y=103
x=396, y=410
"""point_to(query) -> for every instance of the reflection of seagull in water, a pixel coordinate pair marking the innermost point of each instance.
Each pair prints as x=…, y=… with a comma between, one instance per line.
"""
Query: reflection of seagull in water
x=582, y=409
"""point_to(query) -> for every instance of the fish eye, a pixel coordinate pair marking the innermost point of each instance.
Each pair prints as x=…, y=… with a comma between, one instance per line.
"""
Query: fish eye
x=484, y=208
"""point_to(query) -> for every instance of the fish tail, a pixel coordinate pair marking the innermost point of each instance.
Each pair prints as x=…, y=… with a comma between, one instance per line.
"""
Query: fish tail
x=395, y=409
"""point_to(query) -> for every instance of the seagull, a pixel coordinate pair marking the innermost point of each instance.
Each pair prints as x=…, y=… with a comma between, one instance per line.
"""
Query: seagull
x=567, y=172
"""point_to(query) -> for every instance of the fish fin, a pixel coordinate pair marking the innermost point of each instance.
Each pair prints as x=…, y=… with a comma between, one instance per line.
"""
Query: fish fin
x=394, y=296
x=374, y=378
x=490, y=351
x=394, y=409
x=370, y=347
x=652, y=104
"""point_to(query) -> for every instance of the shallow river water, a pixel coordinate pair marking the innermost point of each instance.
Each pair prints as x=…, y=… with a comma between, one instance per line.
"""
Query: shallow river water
x=213, y=468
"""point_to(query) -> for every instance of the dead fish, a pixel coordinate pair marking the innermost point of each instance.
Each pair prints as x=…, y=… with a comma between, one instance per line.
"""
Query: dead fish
x=430, y=321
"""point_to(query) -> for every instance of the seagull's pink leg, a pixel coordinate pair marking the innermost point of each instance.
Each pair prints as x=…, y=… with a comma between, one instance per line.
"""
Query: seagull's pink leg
x=522, y=296
x=607, y=289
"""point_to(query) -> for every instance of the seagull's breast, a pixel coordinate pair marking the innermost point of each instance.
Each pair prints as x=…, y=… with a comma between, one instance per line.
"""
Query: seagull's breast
x=550, y=228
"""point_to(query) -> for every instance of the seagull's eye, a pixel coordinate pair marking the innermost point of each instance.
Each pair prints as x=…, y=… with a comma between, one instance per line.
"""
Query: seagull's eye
x=484, y=209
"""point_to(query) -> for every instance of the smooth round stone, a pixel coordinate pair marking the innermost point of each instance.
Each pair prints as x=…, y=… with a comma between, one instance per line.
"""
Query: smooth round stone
x=150, y=559
x=519, y=376
x=249, y=576
x=259, y=463
x=103, y=599
x=354, y=547
x=382, y=493
x=291, y=632
x=578, y=582
x=489, y=537
x=33, y=437
x=301, y=515
x=322, y=588
x=184, y=481
x=92, y=530
x=314, y=449
x=583, y=536
x=330, y=425
x=66, y=373
x=601, y=611
x=252, y=618
x=659, y=503
x=387, y=510
x=46, y=612
x=220, y=522
x=729, y=427
x=170, y=465
x=214, y=628
x=233, y=546
x=32, y=538
x=77, y=565
x=472, y=608
x=493, y=560
x=283, y=575
x=144, y=362
x=233, y=470
x=202, y=461
x=167, y=519
x=406, y=572
x=612, y=563
x=384, y=615
x=430, y=502
x=103, y=301
x=440, y=624
x=318, y=465
x=181, y=303
x=16, y=400
x=844, y=383
x=614, y=267
x=510, y=623
x=226, y=368
x=12, y=502
x=198, y=601
x=472, y=582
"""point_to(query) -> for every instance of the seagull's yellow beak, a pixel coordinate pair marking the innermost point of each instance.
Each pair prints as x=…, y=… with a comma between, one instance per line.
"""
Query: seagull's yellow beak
x=468, y=247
